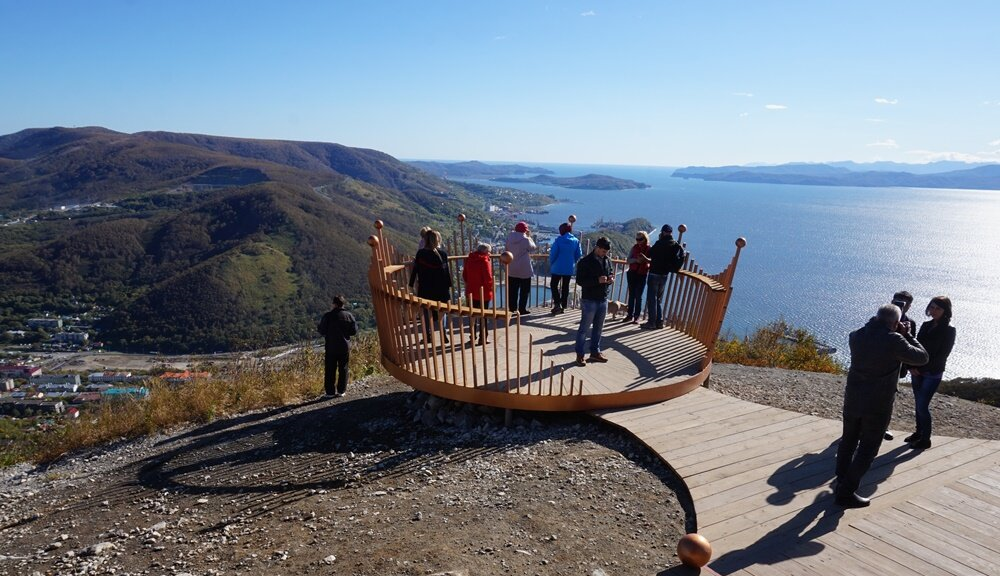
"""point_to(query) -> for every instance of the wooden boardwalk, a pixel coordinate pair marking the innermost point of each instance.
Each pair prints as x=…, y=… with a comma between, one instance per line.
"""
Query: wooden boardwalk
x=759, y=478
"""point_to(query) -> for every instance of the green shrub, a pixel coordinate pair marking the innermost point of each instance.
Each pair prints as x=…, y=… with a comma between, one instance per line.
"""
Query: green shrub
x=777, y=345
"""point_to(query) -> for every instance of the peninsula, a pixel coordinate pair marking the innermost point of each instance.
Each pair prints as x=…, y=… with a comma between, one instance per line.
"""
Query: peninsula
x=586, y=182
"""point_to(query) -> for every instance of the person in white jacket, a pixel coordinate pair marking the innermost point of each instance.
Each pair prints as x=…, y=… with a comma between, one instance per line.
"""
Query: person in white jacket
x=519, y=272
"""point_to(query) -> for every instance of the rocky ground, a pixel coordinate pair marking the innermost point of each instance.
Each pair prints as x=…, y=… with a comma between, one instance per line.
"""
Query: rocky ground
x=386, y=481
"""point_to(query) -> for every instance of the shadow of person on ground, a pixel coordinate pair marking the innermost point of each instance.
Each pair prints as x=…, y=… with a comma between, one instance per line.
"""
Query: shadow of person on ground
x=805, y=472
x=796, y=538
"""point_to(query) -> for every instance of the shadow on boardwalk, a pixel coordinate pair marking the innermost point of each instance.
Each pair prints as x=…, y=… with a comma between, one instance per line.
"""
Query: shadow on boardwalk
x=798, y=536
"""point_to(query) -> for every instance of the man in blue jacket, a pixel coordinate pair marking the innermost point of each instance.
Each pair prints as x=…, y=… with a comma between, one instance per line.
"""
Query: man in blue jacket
x=594, y=276
x=877, y=350
x=563, y=256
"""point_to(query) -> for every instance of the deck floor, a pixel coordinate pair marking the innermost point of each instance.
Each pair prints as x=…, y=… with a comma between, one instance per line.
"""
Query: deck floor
x=637, y=358
x=760, y=476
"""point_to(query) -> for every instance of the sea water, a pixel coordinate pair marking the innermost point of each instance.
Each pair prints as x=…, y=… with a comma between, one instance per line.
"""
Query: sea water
x=823, y=258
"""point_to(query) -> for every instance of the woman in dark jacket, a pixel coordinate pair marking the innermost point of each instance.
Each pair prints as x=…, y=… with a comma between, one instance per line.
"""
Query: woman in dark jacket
x=432, y=273
x=937, y=336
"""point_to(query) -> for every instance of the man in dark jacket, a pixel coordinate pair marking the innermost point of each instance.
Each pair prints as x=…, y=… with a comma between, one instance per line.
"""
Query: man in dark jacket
x=337, y=325
x=594, y=276
x=666, y=256
x=877, y=350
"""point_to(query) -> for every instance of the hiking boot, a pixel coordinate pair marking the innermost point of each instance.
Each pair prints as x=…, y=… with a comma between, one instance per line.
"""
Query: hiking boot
x=920, y=444
x=597, y=358
x=888, y=435
x=581, y=361
x=911, y=438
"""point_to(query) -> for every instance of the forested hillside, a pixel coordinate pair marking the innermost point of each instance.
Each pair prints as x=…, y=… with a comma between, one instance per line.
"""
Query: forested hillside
x=200, y=243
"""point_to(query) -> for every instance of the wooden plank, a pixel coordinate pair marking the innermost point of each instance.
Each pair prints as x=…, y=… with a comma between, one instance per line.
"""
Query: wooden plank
x=737, y=466
x=882, y=564
x=978, y=490
x=981, y=536
x=918, y=543
x=878, y=545
x=965, y=499
x=727, y=431
x=760, y=444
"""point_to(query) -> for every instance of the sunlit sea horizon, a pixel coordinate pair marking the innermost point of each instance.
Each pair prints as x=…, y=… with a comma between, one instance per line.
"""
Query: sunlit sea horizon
x=822, y=258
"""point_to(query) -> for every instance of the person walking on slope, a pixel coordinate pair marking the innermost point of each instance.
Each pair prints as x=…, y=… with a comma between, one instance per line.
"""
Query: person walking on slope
x=937, y=336
x=594, y=276
x=563, y=256
x=478, y=276
x=877, y=351
x=666, y=257
x=337, y=326
x=519, y=272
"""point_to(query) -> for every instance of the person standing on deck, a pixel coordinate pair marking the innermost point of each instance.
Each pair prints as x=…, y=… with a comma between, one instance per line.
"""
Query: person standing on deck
x=563, y=256
x=594, y=276
x=666, y=257
x=638, y=268
x=877, y=351
x=519, y=273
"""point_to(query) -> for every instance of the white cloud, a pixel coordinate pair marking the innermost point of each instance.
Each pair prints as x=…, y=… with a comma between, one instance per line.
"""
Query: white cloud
x=875, y=120
x=745, y=94
x=589, y=13
x=887, y=143
x=886, y=101
x=775, y=106
x=744, y=114
x=499, y=37
x=933, y=156
x=995, y=143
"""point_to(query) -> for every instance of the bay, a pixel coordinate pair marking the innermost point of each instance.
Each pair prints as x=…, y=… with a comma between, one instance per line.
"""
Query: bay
x=822, y=258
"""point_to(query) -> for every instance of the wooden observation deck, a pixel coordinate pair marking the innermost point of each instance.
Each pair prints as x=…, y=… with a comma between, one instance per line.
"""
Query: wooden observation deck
x=528, y=362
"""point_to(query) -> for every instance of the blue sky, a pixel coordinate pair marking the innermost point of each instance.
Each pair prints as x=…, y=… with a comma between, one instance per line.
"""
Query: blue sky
x=664, y=83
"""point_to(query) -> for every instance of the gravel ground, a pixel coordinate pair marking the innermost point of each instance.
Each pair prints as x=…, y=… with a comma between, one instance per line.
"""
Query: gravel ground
x=387, y=481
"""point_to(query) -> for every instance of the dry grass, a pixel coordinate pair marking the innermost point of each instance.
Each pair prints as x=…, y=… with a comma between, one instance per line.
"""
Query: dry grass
x=777, y=345
x=248, y=385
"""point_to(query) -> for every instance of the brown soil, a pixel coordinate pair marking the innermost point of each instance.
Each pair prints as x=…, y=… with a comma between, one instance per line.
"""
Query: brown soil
x=357, y=485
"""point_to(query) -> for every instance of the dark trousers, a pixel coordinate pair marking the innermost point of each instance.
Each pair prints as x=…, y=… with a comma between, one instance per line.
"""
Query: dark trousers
x=859, y=444
x=924, y=387
x=478, y=322
x=655, y=287
x=335, y=372
x=518, y=291
x=560, y=291
x=636, y=285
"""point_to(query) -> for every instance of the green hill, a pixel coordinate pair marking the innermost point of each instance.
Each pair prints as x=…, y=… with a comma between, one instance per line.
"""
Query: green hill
x=187, y=242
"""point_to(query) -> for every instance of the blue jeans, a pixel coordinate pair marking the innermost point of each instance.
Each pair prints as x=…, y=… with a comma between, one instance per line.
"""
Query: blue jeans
x=592, y=313
x=655, y=285
x=924, y=387
x=636, y=284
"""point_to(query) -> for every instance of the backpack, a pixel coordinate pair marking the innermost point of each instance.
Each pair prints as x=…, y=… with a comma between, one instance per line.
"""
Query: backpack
x=677, y=257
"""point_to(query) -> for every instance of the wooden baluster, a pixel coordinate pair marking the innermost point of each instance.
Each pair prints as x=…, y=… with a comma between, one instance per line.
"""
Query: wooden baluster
x=552, y=368
x=531, y=350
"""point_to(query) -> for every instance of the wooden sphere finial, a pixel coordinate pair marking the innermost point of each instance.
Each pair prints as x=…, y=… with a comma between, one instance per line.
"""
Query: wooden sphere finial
x=506, y=258
x=741, y=242
x=461, y=217
x=379, y=224
x=682, y=228
x=373, y=241
x=572, y=218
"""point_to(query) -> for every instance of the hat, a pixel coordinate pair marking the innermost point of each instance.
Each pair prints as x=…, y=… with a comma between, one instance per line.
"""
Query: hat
x=666, y=229
x=603, y=242
x=565, y=227
x=521, y=227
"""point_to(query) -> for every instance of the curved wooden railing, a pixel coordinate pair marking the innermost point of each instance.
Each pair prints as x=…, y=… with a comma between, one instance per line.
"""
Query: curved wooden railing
x=423, y=342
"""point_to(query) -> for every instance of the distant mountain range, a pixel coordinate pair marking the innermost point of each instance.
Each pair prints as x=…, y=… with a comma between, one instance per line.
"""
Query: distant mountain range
x=200, y=243
x=475, y=169
x=880, y=174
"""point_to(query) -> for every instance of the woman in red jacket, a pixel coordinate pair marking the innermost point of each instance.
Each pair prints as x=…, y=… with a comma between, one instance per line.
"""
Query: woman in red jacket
x=478, y=276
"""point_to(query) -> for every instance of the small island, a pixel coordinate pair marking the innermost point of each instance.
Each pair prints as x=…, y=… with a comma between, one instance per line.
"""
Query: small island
x=586, y=182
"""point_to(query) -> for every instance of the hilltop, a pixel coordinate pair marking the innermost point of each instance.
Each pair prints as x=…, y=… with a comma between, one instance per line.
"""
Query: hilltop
x=368, y=484
x=191, y=242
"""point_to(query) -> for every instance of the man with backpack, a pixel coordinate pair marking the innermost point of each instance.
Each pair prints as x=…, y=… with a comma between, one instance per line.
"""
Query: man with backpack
x=666, y=257
x=337, y=325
